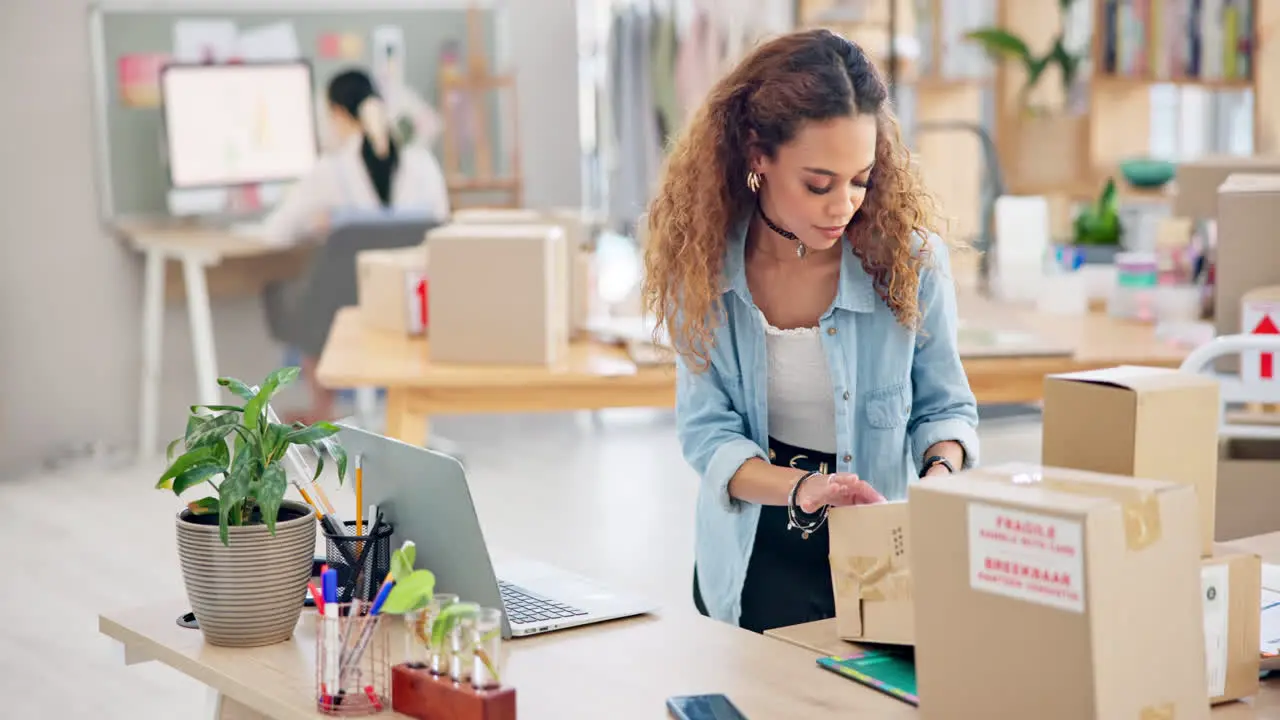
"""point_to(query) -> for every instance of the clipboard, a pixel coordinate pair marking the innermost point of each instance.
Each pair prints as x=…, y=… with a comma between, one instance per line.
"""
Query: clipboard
x=892, y=673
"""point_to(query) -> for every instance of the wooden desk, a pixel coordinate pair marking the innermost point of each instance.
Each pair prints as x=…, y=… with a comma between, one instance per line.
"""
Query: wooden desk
x=196, y=248
x=619, y=670
x=1060, y=343
x=599, y=376
x=819, y=639
x=595, y=376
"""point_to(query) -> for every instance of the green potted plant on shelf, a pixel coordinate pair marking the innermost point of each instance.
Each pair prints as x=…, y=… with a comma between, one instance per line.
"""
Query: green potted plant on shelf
x=246, y=552
x=1051, y=138
x=1096, y=230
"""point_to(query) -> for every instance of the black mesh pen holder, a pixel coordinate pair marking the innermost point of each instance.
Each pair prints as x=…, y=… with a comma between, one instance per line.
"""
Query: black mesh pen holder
x=362, y=561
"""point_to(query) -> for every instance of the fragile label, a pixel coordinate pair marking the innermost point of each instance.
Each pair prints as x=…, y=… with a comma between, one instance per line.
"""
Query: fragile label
x=1215, y=583
x=1026, y=556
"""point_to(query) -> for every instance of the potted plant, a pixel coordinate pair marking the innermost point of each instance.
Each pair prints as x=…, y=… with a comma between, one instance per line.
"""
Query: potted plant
x=1097, y=230
x=1051, y=139
x=430, y=624
x=246, y=552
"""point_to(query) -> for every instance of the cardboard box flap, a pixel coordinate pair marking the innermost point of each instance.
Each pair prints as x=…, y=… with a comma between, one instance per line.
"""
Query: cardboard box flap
x=1248, y=182
x=1138, y=378
x=869, y=560
x=1138, y=498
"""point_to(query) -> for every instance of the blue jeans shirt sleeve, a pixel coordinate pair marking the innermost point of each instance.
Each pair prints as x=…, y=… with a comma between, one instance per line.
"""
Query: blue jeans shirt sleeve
x=943, y=407
x=713, y=435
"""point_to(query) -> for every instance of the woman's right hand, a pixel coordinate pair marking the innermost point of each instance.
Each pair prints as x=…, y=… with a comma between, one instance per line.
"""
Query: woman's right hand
x=836, y=490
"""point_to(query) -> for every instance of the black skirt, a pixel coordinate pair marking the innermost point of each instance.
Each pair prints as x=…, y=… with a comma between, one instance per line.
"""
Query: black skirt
x=788, y=578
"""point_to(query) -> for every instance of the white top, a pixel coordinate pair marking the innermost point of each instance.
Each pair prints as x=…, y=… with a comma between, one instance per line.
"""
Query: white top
x=802, y=405
x=339, y=181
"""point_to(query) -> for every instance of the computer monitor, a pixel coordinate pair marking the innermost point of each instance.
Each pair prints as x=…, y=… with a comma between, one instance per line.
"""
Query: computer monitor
x=238, y=124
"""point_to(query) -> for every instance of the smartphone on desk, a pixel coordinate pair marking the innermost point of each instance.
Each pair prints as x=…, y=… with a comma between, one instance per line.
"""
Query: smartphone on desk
x=703, y=707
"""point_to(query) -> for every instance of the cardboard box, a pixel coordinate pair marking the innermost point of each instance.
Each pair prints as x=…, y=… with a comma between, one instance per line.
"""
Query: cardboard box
x=391, y=289
x=1231, y=591
x=1248, y=494
x=1057, y=595
x=1267, y=547
x=1247, y=256
x=1195, y=191
x=1154, y=423
x=871, y=574
x=579, y=229
x=498, y=294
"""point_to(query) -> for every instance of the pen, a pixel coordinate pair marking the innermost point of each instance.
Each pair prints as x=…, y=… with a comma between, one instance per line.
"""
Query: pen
x=366, y=630
x=316, y=597
x=360, y=496
x=332, y=657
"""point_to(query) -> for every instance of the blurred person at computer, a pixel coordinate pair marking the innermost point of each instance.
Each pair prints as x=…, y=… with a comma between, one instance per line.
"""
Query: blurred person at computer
x=791, y=258
x=366, y=169
x=367, y=172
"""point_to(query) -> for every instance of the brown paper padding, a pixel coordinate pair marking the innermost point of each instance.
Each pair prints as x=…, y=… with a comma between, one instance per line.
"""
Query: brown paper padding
x=1141, y=508
x=1163, y=711
x=872, y=578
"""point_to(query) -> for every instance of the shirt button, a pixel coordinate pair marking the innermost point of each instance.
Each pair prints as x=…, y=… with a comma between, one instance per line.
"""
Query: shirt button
x=848, y=458
x=846, y=394
x=831, y=331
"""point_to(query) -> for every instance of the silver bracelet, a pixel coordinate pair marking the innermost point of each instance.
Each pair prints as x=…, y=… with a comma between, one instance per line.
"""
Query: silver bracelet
x=793, y=521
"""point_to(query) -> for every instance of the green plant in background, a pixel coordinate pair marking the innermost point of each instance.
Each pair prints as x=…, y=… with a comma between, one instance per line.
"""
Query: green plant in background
x=1099, y=223
x=1002, y=45
x=414, y=590
x=240, y=446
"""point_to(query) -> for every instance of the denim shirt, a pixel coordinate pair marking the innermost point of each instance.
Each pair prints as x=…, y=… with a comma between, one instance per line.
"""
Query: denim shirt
x=897, y=393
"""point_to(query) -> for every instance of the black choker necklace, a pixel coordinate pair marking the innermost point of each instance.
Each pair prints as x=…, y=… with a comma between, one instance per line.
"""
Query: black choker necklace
x=800, y=247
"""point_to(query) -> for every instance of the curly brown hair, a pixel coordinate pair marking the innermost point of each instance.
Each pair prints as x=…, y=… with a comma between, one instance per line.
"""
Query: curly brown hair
x=760, y=105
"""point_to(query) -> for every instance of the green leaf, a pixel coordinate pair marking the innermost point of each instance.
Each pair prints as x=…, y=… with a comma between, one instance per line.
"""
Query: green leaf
x=284, y=376
x=196, y=475
x=190, y=459
x=412, y=593
x=203, y=506
x=276, y=441
x=448, y=618
x=214, y=430
x=340, y=456
x=1001, y=44
x=217, y=408
x=168, y=451
x=242, y=391
x=255, y=410
x=270, y=494
x=312, y=434
x=402, y=561
x=233, y=493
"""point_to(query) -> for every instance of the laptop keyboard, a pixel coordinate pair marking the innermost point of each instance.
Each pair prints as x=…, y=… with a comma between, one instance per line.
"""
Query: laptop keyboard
x=525, y=608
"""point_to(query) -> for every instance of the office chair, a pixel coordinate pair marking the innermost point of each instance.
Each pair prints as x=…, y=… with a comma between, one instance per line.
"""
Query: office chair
x=300, y=311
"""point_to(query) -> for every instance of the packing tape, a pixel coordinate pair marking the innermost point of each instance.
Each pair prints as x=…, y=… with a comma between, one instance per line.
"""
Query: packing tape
x=1163, y=711
x=872, y=578
x=1141, y=508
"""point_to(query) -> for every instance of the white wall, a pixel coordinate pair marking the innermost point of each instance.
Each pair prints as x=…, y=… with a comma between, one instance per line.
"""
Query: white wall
x=70, y=296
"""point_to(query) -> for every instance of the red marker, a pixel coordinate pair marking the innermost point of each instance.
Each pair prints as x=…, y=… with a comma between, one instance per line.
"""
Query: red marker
x=316, y=597
x=373, y=697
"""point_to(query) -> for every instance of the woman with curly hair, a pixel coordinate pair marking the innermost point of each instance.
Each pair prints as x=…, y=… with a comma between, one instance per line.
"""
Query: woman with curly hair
x=792, y=261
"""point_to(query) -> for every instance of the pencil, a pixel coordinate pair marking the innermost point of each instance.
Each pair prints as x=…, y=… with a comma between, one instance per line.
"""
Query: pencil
x=360, y=496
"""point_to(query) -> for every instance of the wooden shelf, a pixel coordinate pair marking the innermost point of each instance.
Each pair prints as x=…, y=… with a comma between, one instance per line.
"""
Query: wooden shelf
x=1145, y=83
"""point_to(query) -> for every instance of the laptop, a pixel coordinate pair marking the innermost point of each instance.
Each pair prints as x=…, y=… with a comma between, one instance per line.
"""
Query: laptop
x=425, y=497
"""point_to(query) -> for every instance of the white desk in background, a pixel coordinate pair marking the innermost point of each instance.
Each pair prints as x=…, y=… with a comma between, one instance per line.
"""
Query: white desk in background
x=196, y=247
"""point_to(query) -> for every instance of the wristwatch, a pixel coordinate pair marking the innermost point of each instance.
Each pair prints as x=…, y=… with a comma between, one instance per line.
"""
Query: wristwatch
x=935, y=460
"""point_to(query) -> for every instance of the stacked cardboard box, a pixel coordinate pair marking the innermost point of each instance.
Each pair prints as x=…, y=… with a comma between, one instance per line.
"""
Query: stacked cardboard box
x=1104, y=552
x=391, y=289
x=498, y=294
x=580, y=230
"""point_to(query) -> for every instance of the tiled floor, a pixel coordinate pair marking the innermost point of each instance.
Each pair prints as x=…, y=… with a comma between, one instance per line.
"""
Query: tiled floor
x=613, y=496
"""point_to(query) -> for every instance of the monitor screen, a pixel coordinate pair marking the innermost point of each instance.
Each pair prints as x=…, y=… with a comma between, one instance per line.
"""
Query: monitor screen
x=238, y=124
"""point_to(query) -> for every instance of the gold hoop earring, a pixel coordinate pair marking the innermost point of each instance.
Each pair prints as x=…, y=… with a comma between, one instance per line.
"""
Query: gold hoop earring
x=753, y=181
